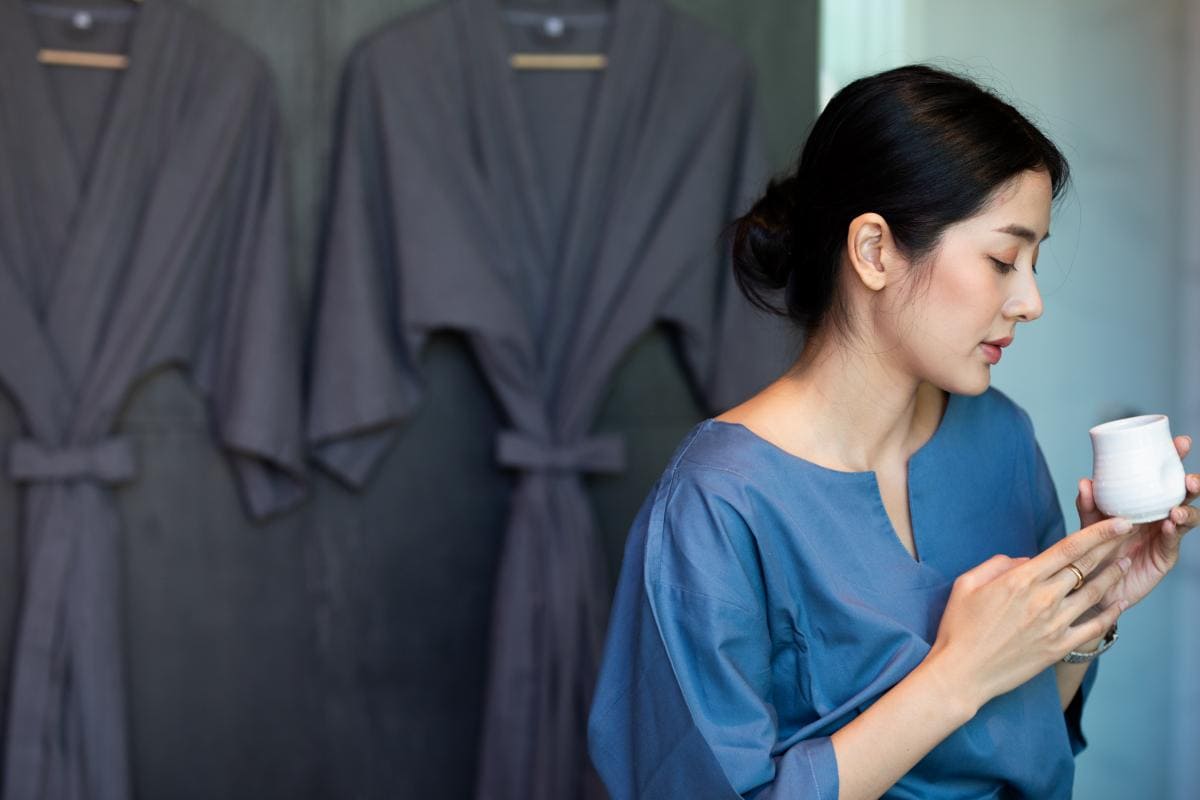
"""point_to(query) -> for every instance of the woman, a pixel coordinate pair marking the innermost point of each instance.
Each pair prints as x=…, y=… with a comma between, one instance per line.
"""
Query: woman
x=856, y=583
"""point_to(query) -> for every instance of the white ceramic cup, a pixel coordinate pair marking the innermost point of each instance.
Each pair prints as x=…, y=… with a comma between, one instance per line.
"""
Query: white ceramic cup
x=1136, y=471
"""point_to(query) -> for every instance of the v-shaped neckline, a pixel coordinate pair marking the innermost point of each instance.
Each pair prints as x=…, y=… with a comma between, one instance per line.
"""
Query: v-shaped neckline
x=55, y=327
x=869, y=478
x=787, y=455
x=84, y=190
x=627, y=48
x=519, y=127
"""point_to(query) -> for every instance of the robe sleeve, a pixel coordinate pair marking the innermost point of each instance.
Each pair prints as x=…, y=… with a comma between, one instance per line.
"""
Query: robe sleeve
x=1051, y=527
x=248, y=365
x=698, y=671
x=730, y=348
x=362, y=377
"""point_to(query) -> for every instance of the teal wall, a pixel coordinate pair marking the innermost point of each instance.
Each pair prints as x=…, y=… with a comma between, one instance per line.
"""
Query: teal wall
x=1105, y=80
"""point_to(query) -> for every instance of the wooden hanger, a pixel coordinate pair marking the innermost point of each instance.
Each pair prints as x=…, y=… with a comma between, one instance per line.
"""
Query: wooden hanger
x=558, y=60
x=554, y=25
x=81, y=58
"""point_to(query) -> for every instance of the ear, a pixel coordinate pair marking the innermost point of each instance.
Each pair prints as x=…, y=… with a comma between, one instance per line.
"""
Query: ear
x=867, y=240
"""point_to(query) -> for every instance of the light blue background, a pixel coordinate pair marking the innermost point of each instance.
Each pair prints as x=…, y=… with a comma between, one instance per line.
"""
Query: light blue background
x=1106, y=80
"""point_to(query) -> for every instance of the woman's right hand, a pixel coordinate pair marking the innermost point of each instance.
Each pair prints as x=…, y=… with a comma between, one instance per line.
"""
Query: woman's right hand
x=1009, y=618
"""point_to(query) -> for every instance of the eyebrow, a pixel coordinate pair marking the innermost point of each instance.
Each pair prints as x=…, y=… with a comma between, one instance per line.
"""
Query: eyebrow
x=1022, y=232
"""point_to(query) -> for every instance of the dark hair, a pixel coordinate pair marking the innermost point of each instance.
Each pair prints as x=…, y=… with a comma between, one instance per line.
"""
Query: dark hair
x=921, y=147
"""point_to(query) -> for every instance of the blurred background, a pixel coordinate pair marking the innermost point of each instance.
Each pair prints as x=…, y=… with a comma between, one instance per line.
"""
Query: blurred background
x=340, y=651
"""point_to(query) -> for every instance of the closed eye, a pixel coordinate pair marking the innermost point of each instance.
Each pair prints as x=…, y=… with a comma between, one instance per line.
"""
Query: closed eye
x=1005, y=267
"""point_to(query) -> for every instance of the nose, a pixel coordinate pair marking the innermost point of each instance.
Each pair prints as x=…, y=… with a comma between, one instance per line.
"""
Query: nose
x=1025, y=304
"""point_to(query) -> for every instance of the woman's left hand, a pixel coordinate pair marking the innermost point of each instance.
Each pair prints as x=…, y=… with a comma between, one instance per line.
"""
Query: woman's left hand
x=1152, y=547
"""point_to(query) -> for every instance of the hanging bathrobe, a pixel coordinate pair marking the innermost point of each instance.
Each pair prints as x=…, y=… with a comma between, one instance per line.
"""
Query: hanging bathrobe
x=142, y=226
x=552, y=218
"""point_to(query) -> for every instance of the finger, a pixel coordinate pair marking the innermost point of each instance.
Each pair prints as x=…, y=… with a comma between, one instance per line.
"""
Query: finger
x=1080, y=634
x=994, y=567
x=1085, y=504
x=1075, y=547
x=1086, y=501
x=1170, y=541
x=1093, y=591
x=1065, y=579
x=1183, y=444
x=1192, y=487
x=1184, y=518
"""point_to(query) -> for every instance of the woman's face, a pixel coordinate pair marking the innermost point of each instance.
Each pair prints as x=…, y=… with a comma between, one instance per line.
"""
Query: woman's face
x=973, y=295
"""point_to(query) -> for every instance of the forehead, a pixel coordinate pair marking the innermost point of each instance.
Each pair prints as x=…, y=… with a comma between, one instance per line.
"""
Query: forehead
x=1023, y=202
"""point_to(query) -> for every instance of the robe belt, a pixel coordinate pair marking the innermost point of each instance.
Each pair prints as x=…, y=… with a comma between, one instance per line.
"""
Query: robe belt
x=107, y=461
x=603, y=453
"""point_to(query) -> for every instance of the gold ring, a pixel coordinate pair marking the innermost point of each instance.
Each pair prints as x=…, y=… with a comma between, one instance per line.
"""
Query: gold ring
x=1078, y=576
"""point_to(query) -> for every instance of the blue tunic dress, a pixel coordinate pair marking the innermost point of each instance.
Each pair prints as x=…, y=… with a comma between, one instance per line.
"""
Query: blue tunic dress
x=765, y=601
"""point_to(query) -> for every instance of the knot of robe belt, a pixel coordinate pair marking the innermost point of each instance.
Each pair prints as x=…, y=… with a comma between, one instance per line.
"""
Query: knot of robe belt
x=107, y=461
x=603, y=453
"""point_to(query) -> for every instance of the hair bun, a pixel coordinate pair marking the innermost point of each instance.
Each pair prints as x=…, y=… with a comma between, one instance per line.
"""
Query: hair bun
x=763, y=244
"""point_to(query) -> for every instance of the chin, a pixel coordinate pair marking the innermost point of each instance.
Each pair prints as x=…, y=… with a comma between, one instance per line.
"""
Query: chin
x=980, y=384
x=973, y=386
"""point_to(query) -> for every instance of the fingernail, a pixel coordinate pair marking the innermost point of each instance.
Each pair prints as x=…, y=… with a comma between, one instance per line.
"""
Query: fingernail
x=1122, y=525
x=1124, y=564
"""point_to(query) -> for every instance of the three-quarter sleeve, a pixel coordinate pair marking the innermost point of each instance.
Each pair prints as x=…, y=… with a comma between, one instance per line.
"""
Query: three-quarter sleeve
x=730, y=348
x=248, y=364
x=690, y=659
x=1050, y=526
x=720, y=655
x=362, y=374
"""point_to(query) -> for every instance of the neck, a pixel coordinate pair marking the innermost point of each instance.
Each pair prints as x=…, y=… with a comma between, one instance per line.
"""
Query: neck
x=854, y=410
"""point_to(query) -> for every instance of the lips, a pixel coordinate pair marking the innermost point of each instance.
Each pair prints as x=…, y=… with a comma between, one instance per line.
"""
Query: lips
x=991, y=352
x=1005, y=342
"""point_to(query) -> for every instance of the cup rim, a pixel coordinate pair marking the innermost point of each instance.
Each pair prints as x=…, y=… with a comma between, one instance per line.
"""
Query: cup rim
x=1127, y=423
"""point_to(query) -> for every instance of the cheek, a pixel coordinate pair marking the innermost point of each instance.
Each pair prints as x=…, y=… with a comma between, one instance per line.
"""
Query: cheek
x=965, y=288
x=958, y=309
x=972, y=288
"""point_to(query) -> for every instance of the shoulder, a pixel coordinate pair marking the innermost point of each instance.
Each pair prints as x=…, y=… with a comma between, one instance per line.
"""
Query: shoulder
x=424, y=29
x=706, y=467
x=212, y=47
x=993, y=417
x=698, y=39
x=994, y=406
x=699, y=527
x=421, y=58
x=696, y=56
x=1000, y=442
x=239, y=86
x=724, y=464
x=421, y=46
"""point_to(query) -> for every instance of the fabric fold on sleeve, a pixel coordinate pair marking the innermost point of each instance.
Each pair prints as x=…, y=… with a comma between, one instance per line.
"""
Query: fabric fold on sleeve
x=362, y=375
x=1074, y=711
x=249, y=362
x=730, y=348
x=811, y=762
x=683, y=707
